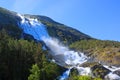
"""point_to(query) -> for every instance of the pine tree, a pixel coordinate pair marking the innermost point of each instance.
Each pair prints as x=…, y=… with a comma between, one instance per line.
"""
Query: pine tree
x=35, y=73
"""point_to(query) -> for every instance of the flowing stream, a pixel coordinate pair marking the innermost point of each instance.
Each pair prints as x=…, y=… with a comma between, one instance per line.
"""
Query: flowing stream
x=61, y=54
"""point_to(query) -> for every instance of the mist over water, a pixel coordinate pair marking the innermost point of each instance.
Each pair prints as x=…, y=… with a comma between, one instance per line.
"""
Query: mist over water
x=61, y=54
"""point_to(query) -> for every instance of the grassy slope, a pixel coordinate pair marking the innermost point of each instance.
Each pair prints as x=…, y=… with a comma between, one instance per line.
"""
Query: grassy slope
x=108, y=52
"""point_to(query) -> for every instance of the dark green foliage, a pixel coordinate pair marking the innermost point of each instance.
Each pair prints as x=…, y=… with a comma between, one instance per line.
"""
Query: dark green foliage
x=9, y=22
x=8, y=17
x=35, y=73
x=18, y=56
x=49, y=70
x=28, y=37
x=12, y=30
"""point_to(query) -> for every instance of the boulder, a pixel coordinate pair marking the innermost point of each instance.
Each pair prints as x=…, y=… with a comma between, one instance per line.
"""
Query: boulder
x=117, y=72
x=99, y=71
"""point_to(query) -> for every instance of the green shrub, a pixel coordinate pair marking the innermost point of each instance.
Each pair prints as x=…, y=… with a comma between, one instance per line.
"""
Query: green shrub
x=85, y=78
x=35, y=73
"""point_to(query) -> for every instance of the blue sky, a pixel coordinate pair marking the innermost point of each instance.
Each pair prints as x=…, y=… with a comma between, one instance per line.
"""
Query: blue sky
x=97, y=18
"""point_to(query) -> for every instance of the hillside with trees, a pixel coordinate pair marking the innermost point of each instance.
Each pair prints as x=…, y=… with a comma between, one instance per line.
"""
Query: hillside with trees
x=18, y=56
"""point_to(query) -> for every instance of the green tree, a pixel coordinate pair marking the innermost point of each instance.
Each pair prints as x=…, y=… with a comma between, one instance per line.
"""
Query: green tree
x=35, y=73
x=17, y=56
x=49, y=70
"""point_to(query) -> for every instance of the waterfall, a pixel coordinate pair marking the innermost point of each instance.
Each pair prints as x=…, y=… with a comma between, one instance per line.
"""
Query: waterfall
x=65, y=75
x=33, y=27
x=61, y=54
x=111, y=75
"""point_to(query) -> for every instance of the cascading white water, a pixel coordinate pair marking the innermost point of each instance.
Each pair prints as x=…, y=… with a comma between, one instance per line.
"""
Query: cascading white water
x=111, y=75
x=65, y=75
x=66, y=58
x=33, y=27
x=61, y=55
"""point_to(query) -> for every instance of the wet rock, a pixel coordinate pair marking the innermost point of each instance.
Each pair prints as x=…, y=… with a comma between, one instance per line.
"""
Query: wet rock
x=74, y=72
x=99, y=71
x=89, y=64
x=112, y=76
x=117, y=72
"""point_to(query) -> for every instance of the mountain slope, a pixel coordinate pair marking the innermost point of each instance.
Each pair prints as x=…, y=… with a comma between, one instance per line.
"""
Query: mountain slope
x=55, y=29
x=61, y=31
x=8, y=17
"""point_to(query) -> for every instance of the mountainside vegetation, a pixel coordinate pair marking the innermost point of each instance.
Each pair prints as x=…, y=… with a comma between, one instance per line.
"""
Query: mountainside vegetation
x=18, y=56
x=8, y=17
x=105, y=52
